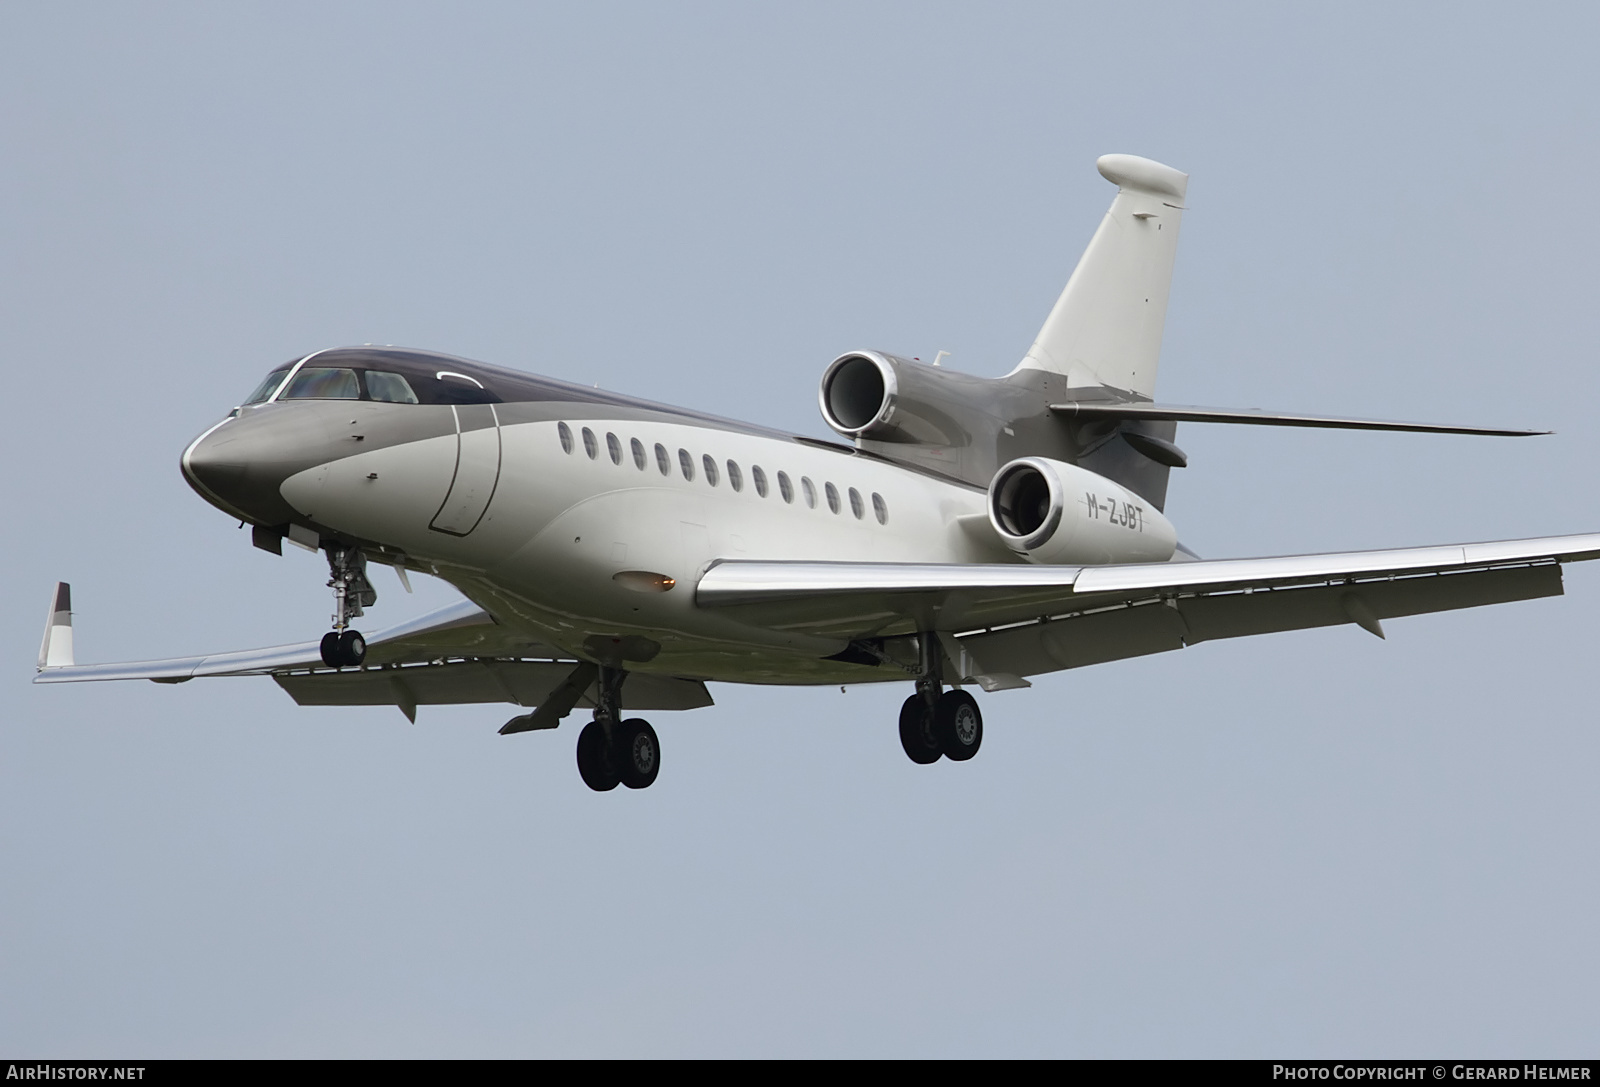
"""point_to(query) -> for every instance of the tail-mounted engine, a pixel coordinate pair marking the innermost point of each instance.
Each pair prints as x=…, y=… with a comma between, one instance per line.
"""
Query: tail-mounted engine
x=1051, y=512
x=966, y=427
x=875, y=396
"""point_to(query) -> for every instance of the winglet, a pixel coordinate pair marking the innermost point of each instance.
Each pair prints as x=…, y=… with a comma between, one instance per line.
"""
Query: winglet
x=56, y=649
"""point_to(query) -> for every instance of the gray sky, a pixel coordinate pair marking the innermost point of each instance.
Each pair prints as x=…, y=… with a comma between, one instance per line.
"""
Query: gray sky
x=1312, y=844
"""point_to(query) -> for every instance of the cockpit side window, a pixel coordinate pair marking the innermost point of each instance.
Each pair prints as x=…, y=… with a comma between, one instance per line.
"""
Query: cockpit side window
x=323, y=383
x=389, y=388
x=452, y=388
x=268, y=386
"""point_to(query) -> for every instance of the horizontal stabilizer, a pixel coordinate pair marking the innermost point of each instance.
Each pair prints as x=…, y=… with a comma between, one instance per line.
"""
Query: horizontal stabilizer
x=1092, y=411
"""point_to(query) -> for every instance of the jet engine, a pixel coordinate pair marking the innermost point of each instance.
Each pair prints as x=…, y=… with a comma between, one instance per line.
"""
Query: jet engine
x=872, y=395
x=1051, y=512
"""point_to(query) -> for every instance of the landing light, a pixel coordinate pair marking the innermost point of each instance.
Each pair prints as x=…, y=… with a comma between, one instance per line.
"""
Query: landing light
x=643, y=581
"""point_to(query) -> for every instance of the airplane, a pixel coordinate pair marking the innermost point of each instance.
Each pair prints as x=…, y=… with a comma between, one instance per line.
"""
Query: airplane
x=617, y=554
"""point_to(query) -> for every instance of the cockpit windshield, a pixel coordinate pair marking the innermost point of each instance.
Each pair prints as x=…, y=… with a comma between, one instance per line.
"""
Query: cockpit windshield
x=268, y=386
x=323, y=383
x=335, y=383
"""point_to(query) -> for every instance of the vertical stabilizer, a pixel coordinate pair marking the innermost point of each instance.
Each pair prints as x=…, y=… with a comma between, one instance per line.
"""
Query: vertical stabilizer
x=1106, y=327
x=56, y=649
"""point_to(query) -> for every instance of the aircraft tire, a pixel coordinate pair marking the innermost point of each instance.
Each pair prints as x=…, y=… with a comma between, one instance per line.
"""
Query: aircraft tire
x=596, y=766
x=638, y=753
x=352, y=648
x=330, y=650
x=959, y=725
x=917, y=736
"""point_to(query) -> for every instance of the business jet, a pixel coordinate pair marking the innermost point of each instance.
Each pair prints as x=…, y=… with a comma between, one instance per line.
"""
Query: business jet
x=617, y=554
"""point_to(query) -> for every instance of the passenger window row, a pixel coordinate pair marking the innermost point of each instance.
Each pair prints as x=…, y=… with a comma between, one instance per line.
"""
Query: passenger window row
x=713, y=473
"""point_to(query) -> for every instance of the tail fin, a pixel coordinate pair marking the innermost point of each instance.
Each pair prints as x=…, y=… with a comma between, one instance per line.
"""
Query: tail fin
x=56, y=650
x=1106, y=327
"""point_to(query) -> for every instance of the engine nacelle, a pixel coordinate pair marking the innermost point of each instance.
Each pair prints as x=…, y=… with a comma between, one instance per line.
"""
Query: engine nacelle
x=876, y=396
x=1055, y=513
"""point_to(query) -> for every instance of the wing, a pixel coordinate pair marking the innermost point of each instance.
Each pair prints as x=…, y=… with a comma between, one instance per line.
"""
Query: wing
x=457, y=654
x=461, y=629
x=1000, y=622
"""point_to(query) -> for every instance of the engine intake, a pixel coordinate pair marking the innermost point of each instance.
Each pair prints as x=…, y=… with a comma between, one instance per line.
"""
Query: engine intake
x=1051, y=512
x=858, y=392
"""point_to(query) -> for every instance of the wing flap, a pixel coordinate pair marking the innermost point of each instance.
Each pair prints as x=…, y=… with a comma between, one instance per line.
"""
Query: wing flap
x=523, y=683
x=1135, y=630
x=1239, y=615
x=1078, y=641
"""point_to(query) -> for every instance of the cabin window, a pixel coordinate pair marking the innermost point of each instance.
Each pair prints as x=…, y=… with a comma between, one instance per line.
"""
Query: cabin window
x=614, y=447
x=857, y=507
x=785, y=488
x=663, y=461
x=809, y=489
x=591, y=445
x=565, y=433
x=389, y=388
x=735, y=477
x=833, y=496
x=760, y=479
x=686, y=462
x=638, y=453
x=711, y=469
x=880, y=509
x=323, y=383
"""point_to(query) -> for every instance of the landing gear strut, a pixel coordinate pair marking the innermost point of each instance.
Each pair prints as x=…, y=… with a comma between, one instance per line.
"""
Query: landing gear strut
x=935, y=724
x=347, y=570
x=614, y=752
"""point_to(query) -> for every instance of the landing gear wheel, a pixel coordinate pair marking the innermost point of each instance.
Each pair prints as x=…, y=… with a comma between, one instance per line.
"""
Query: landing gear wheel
x=343, y=648
x=958, y=724
x=352, y=647
x=917, y=735
x=595, y=764
x=638, y=753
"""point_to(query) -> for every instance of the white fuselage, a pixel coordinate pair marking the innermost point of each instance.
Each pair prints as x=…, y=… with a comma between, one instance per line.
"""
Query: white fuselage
x=560, y=525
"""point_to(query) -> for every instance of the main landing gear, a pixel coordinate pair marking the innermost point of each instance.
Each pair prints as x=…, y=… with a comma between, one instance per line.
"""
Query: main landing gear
x=613, y=752
x=935, y=724
x=347, y=569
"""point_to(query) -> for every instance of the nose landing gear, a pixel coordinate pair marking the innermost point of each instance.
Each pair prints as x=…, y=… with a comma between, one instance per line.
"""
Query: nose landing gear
x=347, y=569
x=342, y=648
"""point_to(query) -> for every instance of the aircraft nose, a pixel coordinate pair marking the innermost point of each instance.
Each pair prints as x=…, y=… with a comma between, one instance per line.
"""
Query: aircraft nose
x=235, y=467
x=213, y=468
